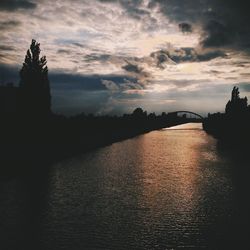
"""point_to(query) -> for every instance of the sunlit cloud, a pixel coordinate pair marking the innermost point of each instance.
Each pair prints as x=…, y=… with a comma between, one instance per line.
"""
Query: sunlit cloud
x=131, y=48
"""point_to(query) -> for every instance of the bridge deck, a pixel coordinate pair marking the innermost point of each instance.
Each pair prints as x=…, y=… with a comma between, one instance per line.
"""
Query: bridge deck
x=188, y=112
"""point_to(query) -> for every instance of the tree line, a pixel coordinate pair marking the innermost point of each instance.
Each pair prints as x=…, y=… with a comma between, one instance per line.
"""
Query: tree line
x=30, y=128
x=232, y=126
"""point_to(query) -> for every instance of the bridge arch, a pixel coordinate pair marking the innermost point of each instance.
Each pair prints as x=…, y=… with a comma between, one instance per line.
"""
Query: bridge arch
x=188, y=112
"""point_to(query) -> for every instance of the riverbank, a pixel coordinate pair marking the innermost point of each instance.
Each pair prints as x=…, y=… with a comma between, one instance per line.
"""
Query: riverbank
x=232, y=127
x=231, y=132
x=59, y=137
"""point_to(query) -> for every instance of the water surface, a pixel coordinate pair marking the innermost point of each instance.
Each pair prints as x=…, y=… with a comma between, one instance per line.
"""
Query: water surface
x=167, y=189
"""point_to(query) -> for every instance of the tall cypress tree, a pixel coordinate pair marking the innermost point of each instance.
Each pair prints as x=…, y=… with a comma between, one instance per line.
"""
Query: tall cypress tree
x=35, y=98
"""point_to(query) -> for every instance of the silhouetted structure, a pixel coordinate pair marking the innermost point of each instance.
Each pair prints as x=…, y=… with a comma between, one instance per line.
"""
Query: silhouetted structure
x=34, y=94
x=175, y=113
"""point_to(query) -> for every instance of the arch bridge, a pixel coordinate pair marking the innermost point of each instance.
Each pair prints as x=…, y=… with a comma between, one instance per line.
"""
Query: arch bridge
x=186, y=112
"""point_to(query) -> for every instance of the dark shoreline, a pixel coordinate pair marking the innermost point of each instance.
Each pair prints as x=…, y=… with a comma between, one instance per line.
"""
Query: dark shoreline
x=34, y=146
x=232, y=132
x=231, y=128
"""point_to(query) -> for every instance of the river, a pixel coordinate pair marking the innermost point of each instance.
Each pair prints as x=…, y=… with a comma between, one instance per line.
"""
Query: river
x=168, y=189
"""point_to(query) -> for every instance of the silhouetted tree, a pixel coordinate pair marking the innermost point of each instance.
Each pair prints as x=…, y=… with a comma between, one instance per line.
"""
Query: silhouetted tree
x=152, y=116
x=138, y=113
x=35, y=98
x=236, y=105
x=235, y=94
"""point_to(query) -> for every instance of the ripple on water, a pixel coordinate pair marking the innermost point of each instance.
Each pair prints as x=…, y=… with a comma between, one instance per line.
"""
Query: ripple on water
x=166, y=189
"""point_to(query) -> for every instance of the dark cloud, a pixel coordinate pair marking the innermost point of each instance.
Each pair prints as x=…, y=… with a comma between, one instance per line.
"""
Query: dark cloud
x=210, y=55
x=245, y=74
x=6, y=25
x=126, y=85
x=181, y=55
x=242, y=64
x=74, y=93
x=6, y=48
x=63, y=51
x=78, y=44
x=215, y=72
x=97, y=57
x=216, y=34
x=134, y=68
x=136, y=12
x=84, y=82
x=12, y=5
x=181, y=10
x=224, y=22
x=161, y=57
x=185, y=27
x=122, y=87
x=139, y=72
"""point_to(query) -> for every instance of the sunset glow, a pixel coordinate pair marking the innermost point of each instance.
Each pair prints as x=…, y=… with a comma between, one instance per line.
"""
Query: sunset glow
x=140, y=47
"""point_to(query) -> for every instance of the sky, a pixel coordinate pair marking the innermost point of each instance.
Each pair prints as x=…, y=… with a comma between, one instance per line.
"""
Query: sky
x=111, y=56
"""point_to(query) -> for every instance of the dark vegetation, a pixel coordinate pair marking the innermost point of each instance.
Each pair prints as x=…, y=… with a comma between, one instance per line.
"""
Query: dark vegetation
x=231, y=127
x=31, y=132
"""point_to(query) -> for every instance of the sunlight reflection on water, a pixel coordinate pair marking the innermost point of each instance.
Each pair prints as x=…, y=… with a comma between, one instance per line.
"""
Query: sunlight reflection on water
x=154, y=191
x=166, y=189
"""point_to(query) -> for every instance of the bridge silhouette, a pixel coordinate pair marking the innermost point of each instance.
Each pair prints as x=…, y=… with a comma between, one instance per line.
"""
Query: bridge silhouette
x=186, y=112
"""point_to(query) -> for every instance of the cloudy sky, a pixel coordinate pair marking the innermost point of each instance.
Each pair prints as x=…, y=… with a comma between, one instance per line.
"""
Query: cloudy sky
x=111, y=56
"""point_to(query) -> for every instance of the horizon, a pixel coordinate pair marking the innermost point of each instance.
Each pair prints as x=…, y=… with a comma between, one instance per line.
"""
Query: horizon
x=110, y=57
